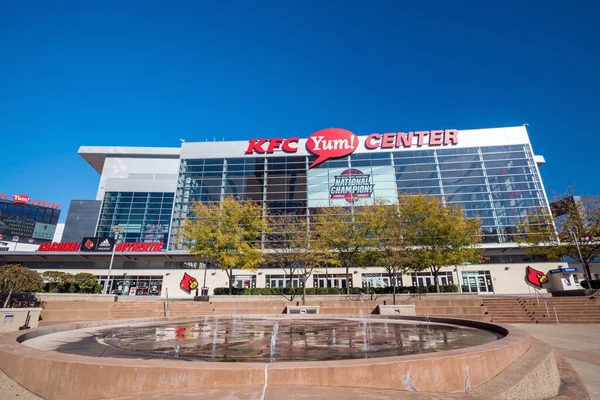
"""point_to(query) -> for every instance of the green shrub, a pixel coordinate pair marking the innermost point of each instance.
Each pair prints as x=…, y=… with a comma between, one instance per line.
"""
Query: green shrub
x=329, y=291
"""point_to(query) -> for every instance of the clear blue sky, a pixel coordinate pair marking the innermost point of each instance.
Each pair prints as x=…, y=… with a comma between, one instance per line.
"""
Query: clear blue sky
x=148, y=73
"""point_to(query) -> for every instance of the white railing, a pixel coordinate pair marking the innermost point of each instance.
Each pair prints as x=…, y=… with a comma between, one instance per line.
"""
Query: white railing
x=166, y=302
x=537, y=297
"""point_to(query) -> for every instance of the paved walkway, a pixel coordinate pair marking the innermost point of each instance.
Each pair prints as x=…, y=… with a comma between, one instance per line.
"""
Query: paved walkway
x=579, y=344
x=10, y=390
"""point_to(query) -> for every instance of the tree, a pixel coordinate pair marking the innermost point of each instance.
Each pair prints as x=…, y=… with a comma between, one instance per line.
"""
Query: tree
x=577, y=224
x=317, y=256
x=228, y=233
x=16, y=278
x=439, y=233
x=390, y=249
x=84, y=282
x=19, y=279
x=56, y=281
x=287, y=244
x=345, y=232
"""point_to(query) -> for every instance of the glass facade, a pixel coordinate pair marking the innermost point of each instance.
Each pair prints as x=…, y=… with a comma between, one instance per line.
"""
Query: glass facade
x=144, y=216
x=126, y=285
x=499, y=184
x=27, y=223
x=29, y=212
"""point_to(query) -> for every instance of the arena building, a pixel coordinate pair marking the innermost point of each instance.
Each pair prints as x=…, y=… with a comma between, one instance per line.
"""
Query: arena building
x=148, y=192
x=25, y=223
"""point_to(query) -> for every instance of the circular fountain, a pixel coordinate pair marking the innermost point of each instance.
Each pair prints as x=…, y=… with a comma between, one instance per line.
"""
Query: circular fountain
x=103, y=359
x=238, y=339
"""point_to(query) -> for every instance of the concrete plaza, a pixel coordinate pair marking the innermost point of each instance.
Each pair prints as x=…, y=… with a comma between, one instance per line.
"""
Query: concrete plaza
x=579, y=344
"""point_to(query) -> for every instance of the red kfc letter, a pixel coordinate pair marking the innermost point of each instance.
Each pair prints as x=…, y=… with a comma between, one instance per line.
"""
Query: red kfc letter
x=274, y=144
x=287, y=145
x=256, y=146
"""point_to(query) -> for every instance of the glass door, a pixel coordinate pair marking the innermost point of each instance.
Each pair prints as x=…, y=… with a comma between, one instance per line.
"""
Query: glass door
x=477, y=282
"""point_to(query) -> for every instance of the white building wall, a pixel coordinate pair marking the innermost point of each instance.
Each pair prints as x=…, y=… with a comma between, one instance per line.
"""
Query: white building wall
x=138, y=174
x=507, y=279
x=58, y=232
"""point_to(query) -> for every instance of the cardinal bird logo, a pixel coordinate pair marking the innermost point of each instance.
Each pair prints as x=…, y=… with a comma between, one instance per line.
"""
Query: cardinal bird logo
x=89, y=244
x=188, y=283
x=534, y=277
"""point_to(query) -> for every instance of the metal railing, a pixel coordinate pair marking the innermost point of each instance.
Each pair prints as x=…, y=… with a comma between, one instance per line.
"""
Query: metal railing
x=537, y=297
x=166, y=302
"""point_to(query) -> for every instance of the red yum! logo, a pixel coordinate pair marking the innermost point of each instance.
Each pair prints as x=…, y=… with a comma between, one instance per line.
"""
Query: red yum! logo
x=331, y=143
x=21, y=198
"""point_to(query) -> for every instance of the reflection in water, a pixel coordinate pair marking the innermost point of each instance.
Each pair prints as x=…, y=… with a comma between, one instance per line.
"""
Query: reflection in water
x=266, y=340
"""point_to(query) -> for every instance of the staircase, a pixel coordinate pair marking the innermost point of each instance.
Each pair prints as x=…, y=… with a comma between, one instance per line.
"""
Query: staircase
x=137, y=309
x=456, y=308
x=507, y=310
x=571, y=310
x=511, y=310
x=57, y=312
x=518, y=310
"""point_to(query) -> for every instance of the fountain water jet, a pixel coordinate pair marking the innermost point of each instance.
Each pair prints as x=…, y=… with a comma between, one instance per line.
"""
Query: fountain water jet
x=215, y=331
x=274, y=338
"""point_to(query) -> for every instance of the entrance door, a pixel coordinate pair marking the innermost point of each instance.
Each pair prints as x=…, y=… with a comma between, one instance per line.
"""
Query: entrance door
x=477, y=282
x=472, y=283
x=485, y=284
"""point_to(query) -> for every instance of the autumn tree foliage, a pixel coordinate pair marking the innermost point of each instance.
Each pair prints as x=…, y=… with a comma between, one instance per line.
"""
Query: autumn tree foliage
x=345, y=232
x=440, y=234
x=228, y=233
x=576, y=224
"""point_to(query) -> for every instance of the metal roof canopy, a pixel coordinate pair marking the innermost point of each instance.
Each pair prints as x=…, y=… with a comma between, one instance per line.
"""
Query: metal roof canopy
x=96, y=155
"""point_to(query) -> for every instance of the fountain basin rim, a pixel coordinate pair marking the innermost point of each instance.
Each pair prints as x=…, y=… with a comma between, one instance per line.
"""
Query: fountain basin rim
x=512, y=335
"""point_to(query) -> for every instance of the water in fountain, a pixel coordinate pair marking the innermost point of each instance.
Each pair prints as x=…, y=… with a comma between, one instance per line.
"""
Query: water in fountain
x=387, y=331
x=215, y=331
x=427, y=320
x=292, y=339
x=274, y=338
x=177, y=351
x=365, y=336
x=205, y=323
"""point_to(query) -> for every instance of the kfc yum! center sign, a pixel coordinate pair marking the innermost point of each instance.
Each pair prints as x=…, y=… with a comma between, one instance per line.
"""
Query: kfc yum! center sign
x=332, y=143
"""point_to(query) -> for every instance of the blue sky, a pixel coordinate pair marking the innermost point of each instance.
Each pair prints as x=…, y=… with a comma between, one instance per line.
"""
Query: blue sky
x=148, y=73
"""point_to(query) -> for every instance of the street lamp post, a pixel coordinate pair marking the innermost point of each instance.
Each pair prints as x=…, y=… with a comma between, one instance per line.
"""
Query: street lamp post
x=116, y=230
x=205, y=268
x=574, y=233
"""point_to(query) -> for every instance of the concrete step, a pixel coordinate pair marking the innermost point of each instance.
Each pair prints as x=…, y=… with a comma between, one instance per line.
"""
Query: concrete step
x=476, y=317
x=77, y=305
x=74, y=315
x=451, y=310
